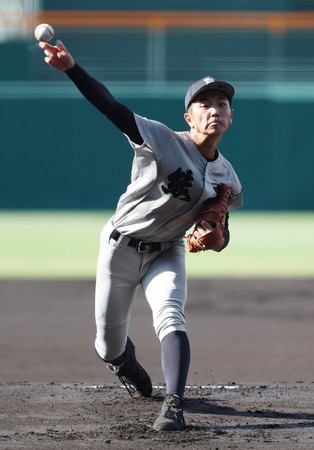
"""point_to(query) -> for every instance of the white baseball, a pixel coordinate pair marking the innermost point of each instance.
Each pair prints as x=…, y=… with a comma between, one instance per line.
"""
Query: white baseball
x=44, y=32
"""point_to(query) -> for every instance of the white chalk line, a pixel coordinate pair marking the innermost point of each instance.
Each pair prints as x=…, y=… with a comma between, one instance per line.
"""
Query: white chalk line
x=209, y=386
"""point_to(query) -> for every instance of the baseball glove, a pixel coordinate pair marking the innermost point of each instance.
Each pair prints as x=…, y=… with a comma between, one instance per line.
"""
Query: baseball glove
x=209, y=226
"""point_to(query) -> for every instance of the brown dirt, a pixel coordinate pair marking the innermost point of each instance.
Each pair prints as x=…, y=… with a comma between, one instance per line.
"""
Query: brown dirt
x=250, y=384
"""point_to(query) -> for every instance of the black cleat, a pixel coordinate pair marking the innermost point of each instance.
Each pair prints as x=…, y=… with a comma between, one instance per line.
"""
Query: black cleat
x=131, y=373
x=171, y=416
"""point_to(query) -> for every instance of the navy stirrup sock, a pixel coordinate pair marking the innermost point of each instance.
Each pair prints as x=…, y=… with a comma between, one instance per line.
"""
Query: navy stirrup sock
x=175, y=359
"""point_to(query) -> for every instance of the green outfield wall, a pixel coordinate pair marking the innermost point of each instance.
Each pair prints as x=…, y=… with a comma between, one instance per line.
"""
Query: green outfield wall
x=61, y=153
x=265, y=5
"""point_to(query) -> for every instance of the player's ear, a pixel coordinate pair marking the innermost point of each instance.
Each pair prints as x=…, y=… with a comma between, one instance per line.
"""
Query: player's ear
x=188, y=118
x=231, y=116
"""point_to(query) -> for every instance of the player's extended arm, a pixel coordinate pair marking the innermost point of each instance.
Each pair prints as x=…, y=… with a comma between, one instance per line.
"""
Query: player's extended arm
x=94, y=91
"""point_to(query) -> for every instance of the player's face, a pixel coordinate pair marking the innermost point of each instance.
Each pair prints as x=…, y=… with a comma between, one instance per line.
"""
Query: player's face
x=210, y=113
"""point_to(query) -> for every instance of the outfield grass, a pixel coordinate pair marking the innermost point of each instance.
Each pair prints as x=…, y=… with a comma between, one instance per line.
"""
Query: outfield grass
x=65, y=245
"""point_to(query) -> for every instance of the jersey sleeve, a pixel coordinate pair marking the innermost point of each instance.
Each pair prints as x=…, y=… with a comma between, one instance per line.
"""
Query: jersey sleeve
x=156, y=135
x=237, y=192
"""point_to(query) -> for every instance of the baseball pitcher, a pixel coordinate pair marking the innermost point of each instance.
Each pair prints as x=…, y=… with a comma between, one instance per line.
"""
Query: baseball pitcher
x=178, y=179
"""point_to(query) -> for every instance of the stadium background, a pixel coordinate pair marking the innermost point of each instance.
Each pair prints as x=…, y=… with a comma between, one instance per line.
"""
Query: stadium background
x=60, y=153
x=62, y=168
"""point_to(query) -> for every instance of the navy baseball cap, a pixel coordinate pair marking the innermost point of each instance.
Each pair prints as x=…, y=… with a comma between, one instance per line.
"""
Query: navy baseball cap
x=205, y=84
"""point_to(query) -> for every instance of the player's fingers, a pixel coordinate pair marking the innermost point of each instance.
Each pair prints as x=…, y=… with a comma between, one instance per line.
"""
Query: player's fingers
x=60, y=45
x=48, y=53
x=51, y=59
x=45, y=45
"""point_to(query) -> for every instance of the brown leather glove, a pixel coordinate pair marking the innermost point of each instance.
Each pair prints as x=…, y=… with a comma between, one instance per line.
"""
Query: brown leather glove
x=209, y=227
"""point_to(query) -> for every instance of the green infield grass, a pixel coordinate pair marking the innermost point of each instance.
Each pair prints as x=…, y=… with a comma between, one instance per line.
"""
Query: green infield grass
x=59, y=244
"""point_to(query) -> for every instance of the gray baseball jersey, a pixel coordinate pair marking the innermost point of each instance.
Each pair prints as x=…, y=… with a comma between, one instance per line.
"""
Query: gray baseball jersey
x=170, y=181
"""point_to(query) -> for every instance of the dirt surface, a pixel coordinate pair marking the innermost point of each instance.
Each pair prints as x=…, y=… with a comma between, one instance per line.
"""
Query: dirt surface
x=251, y=381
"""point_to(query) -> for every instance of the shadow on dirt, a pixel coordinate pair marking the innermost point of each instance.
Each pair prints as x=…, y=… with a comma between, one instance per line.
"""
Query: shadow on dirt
x=203, y=406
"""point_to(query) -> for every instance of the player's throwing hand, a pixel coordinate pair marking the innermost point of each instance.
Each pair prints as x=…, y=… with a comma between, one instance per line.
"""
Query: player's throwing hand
x=57, y=56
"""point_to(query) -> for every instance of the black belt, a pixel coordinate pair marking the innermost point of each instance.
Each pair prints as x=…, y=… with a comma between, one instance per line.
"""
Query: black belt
x=140, y=246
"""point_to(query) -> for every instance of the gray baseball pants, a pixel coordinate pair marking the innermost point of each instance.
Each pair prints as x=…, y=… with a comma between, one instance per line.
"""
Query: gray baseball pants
x=120, y=270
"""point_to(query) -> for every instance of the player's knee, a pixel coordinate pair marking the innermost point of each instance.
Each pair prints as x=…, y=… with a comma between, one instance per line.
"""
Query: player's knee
x=107, y=353
x=168, y=320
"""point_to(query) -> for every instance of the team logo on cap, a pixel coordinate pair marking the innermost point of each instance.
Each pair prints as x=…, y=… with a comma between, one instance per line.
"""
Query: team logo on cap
x=208, y=80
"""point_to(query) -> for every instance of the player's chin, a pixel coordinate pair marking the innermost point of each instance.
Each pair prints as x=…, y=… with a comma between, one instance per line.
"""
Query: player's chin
x=215, y=129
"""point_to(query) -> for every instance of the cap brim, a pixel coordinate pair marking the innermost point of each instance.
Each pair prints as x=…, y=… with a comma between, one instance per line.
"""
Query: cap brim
x=226, y=88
